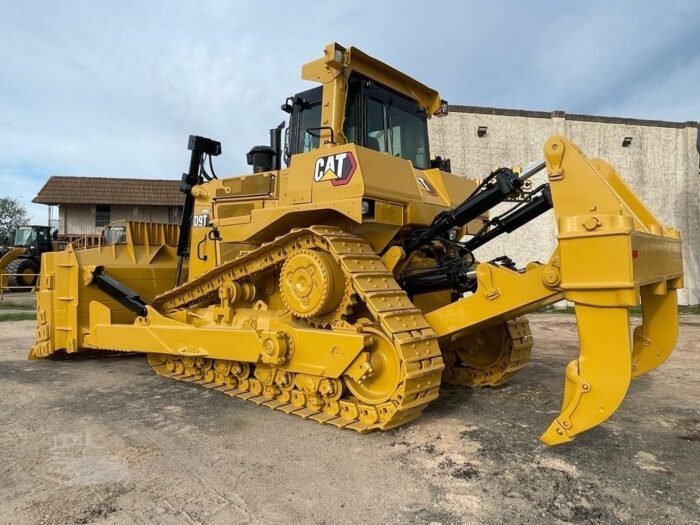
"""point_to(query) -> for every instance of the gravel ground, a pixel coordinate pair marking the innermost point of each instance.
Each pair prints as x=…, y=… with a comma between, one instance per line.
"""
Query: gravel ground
x=17, y=299
x=104, y=440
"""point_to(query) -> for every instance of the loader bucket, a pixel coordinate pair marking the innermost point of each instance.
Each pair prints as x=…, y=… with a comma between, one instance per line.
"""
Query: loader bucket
x=10, y=255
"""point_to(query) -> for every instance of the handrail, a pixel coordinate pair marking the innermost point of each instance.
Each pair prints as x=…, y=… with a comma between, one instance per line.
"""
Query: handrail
x=4, y=284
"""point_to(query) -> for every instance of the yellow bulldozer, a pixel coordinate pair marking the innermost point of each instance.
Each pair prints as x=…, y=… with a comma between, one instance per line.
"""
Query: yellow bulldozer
x=341, y=282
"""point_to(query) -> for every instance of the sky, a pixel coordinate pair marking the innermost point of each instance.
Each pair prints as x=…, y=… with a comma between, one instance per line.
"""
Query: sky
x=114, y=89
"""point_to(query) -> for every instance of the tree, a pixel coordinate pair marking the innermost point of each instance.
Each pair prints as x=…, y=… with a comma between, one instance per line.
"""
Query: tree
x=12, y=215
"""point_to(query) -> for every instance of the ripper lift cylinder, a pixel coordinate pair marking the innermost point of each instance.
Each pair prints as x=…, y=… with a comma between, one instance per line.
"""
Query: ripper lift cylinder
x=514, y=220
x=494, y=190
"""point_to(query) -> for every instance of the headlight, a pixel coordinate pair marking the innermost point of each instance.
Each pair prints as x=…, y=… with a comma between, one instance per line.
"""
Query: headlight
x=366, y=208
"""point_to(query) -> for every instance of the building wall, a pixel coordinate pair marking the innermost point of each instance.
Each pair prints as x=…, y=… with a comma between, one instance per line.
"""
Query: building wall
x=80, y=219
x=661, y=165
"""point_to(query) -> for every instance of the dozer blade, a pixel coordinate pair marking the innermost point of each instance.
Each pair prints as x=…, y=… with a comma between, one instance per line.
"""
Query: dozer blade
x=596, y=382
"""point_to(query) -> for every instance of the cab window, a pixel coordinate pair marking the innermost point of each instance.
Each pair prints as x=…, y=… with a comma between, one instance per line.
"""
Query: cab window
x=353, y=108
x=309, y=122
x=375, y=117
x=376, y=126
x=407, y=136
x=303, y=133
x=25, y=237
x=386, y=121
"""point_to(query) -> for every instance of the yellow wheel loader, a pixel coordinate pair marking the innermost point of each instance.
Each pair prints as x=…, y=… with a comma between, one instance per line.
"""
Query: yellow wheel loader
x=346, y=286
x=20, y=262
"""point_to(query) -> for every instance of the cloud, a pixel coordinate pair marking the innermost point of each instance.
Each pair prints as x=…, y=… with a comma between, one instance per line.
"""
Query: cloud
x=114, y=89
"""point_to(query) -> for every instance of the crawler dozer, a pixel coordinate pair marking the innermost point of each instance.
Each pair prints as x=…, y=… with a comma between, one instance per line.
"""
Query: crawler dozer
x=340, y=281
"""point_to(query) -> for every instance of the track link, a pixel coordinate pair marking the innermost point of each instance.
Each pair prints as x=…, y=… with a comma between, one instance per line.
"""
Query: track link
x=391, y=310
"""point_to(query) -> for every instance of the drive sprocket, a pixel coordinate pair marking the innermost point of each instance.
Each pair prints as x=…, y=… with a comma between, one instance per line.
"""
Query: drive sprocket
x=315, y=288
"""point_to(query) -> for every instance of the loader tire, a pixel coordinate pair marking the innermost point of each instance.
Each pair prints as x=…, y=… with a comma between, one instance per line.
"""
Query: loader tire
x=22, y=274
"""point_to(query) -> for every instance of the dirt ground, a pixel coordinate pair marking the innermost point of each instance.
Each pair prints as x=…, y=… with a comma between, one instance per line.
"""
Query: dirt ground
x=104, y=440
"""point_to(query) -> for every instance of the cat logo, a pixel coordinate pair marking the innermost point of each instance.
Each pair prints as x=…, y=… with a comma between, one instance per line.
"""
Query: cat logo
x=337, y=168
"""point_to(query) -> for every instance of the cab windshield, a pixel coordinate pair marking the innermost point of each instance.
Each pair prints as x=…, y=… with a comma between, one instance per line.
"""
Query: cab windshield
x=398, y=132
x=385, y=121
x=25, y=237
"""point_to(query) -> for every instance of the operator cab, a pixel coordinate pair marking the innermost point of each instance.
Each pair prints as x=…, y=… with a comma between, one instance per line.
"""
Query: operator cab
x=375, y=117
x=36, y=238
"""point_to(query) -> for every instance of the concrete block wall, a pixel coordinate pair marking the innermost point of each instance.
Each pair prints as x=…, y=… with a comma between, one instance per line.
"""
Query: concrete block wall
x=661, y=165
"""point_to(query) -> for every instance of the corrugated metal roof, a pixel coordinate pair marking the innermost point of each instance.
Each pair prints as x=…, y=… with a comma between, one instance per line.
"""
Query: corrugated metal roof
x=101, y=190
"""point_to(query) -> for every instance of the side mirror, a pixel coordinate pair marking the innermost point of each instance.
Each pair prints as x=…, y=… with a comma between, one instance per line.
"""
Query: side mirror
x=288, y=105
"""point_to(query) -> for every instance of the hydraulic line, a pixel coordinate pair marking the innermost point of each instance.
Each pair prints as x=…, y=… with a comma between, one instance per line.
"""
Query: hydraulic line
x=502, y=183
x=452, y=272
x=493, y=190
x=511, y=221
